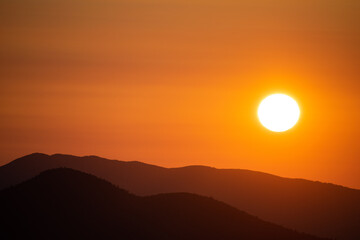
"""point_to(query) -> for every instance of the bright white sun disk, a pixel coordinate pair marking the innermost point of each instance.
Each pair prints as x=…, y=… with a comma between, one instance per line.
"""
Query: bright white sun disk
x=278, y=112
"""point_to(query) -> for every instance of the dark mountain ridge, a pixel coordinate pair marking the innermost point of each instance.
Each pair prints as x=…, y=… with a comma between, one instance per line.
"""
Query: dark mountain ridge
x=68, y=204
x=321, y=209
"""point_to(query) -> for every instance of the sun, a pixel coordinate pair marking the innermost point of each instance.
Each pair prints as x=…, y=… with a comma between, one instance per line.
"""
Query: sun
x=278, y=112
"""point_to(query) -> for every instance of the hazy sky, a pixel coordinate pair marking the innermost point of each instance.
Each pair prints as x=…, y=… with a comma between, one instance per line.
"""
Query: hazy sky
x=178, y=83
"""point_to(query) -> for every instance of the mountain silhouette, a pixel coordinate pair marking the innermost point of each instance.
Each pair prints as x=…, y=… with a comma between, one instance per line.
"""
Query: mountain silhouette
x=68, y=204
x=320, y=209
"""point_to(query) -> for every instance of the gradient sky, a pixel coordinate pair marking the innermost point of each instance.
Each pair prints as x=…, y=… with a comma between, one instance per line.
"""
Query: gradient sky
x=177, y=83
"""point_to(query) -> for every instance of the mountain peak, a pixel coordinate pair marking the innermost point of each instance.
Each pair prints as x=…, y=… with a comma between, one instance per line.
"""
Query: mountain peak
x=34, y=155
x=307, y=206
x=70, y=204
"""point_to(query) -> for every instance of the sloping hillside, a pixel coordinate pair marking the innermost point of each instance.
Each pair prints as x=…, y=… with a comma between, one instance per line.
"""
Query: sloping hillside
x=68, y=204
x=320, y=209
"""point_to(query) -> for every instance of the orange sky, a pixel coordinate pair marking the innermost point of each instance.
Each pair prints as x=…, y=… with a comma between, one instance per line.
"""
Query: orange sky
x=178, y=83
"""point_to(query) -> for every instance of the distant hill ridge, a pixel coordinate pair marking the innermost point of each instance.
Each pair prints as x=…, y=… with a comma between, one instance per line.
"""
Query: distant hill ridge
x=68, y=204
x=321, y=209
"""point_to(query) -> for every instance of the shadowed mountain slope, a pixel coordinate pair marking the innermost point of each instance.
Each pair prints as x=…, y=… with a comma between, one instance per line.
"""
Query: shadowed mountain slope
x=68, y=204
x=320, y=209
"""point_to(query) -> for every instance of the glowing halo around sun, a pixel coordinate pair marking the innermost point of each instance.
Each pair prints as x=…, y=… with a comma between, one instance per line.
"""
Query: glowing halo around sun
x=278, y=112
